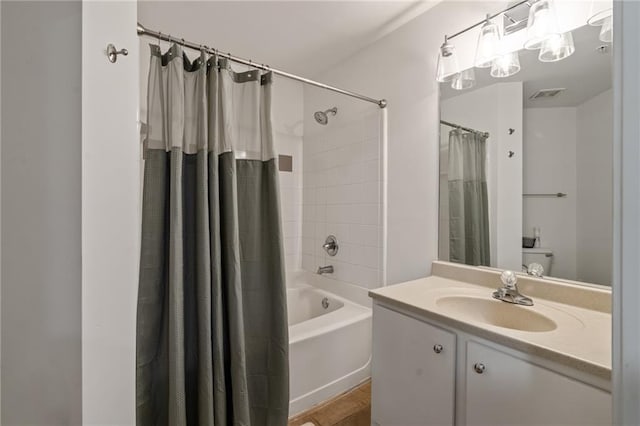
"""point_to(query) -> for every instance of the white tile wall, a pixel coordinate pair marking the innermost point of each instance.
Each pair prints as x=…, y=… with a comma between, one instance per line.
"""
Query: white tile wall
x=287, y=110
x=341, y=196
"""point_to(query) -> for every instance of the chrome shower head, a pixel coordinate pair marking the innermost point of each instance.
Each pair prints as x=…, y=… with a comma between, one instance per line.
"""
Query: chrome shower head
x=322, y=117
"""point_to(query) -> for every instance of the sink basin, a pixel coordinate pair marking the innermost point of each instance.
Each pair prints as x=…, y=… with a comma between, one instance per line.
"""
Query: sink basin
x=496, y=312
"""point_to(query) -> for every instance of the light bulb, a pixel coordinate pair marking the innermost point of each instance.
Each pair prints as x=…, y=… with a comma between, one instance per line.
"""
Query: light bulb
x=606, y=32
x=599, y=11
x=488, y=43
x=447, y=66
x=557, y=47
x=542, y=24
x=464, y=80
x=505, y=65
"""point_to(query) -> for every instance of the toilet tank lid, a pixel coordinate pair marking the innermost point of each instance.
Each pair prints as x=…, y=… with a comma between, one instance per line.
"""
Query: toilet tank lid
x=537, y=250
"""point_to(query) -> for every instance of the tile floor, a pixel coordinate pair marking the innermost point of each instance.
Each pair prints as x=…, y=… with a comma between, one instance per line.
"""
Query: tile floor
x=352, y=408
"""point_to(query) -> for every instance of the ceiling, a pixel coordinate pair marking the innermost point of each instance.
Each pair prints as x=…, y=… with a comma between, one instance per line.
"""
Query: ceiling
x=302, y=37
x=584, y=74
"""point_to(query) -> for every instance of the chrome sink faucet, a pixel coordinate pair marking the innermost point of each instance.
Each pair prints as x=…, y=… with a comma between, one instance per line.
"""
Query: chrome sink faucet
x=509, y=291
x=325, y=270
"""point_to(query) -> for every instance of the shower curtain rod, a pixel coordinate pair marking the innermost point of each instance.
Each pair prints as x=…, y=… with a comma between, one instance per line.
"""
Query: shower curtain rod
x=466, y=129
x=142, y=31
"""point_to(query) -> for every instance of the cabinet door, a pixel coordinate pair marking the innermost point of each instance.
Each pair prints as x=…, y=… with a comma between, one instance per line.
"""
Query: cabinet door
x=413, y=371
x=510, y=391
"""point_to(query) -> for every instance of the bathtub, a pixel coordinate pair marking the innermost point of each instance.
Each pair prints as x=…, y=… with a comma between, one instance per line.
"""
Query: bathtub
x=329, y=345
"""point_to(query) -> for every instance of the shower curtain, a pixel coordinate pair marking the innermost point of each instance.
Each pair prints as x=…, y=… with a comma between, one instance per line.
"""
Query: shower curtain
x=212, y=342
x=468, y=199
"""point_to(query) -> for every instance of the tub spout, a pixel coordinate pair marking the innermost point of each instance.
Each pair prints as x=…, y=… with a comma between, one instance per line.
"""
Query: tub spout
x=325, y=270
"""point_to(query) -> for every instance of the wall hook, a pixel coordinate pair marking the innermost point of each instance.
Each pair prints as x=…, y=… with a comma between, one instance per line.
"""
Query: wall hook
x=113, y=53
x=511, y=131
x=510, y=154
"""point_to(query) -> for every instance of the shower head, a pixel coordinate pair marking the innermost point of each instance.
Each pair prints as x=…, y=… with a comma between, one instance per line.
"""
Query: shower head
x=322, y=117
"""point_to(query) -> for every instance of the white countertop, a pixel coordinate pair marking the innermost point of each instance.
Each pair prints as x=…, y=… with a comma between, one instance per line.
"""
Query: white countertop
x=581, y=340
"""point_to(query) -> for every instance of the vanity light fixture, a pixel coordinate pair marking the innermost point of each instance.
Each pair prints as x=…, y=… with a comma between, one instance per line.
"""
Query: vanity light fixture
x=505, y=65
x=447, y=66
x=557, y=48
x=542, y=33
x=542, y=24
x=488, y=44
x=464, y=80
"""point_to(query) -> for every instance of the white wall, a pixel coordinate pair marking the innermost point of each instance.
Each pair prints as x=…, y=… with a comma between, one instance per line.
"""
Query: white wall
x=550, y=167
x=342, y=189
x=110, y=213
x=492, y=109
x=288, y=128
x=41, y=243
x=595, y=183
x=509, y=179
x=626, y=201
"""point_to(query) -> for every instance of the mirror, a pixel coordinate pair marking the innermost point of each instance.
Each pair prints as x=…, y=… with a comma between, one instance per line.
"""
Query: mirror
x=526, y=166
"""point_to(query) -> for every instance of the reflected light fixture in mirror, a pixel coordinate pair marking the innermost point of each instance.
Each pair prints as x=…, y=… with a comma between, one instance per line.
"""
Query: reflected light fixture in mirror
x=505, y=65
x=464, y=80
x=557, y=48
x=600, y=15
x=447, y=62
x=488, y=44
x=542, y=23
x=599, y=12
x=606, y=33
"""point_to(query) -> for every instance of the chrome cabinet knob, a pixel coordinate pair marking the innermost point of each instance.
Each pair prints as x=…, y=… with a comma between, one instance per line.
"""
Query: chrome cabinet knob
x=479, y=367
x=437, y=348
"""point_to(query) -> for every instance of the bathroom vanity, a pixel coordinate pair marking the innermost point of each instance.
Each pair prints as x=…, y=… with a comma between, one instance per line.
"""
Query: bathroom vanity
x=445, y=352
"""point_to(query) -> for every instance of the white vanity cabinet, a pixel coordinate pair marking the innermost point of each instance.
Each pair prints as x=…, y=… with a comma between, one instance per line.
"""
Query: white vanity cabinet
x=505, y=390
x=483, y=384
x=413, y=371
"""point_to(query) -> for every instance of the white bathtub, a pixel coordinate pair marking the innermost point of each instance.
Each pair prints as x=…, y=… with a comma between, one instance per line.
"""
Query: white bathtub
x=329, y=348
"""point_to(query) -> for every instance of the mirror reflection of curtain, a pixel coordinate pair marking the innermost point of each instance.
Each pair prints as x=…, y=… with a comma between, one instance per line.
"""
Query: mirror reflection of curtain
x=468, y=199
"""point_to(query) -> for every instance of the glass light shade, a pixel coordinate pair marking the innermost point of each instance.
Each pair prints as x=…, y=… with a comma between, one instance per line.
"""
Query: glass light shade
x=464, y=80
x=600, y=10
x=488, y=44
x=447, y=66
x=557, y=48
x=505, y=65
x=542, y=24
x=606, y=32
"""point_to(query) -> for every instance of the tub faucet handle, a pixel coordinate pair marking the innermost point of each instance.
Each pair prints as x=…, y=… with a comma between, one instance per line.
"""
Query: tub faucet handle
x=331, y=245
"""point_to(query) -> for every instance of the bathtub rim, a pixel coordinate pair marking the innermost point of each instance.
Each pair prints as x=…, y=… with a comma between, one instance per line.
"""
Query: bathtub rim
x=349, y=313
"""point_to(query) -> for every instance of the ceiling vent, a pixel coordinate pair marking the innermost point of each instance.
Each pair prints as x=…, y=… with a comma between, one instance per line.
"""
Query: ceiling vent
x=547, y=93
